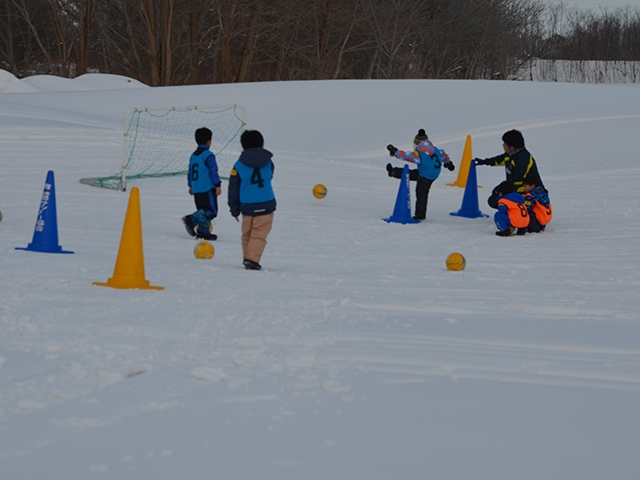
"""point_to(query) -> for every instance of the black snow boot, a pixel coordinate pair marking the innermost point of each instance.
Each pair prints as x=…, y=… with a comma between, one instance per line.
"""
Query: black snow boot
x=188, y=224
x=206, y=235
x=250, y=265
x=390, y=169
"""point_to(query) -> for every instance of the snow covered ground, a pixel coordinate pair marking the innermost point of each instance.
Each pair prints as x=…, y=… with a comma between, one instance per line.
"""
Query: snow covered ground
x=354, y=354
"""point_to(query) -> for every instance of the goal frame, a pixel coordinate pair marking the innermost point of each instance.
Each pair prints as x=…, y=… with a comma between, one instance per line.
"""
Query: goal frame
x=122, y=184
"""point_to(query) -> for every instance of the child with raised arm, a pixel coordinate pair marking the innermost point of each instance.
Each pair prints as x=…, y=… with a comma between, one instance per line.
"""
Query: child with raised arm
x=429, y=160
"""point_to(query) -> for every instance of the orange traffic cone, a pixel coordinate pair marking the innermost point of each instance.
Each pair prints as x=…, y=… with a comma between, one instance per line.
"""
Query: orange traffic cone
x=465, y=163
x=129, y=269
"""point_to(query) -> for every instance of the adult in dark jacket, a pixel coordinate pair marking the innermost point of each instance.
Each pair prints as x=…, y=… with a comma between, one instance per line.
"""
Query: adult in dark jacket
x=251, y=194
x=516, y=160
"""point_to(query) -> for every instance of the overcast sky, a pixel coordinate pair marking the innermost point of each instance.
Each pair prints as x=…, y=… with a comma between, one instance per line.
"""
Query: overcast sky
x=598, y=3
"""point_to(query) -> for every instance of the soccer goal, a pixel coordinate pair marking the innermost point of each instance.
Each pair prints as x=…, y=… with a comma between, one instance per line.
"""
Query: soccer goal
x=158, y=142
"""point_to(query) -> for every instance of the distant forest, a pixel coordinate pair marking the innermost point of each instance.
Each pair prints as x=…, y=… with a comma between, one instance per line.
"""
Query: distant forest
x=180, y=42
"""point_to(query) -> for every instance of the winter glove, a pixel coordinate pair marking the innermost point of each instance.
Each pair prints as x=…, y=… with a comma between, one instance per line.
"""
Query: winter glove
x=450, y=166
x=392, y=150
x=479, y=161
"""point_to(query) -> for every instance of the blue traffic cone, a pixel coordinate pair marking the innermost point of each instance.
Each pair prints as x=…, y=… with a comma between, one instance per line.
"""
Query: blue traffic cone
x=45, y=234
x=470, y=208
x=402, y=210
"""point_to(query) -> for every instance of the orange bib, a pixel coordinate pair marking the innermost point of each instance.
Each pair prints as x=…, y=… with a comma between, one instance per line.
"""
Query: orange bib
x=517, y=212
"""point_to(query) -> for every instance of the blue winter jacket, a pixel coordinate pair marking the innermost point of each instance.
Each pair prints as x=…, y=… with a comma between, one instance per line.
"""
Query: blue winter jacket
x=428, y=158
x=514, y=197
x=250, y=189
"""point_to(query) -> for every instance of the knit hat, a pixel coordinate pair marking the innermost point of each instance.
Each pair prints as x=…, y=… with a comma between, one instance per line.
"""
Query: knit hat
x=420, y=136
x=251, y=139
x=532, y=180
x=514, y=139
x=203, y=135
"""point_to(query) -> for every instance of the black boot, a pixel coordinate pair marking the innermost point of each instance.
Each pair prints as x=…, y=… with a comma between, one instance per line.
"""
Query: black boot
x=505, y=233
x=206, y=235
x=251, y=265
x=188, y=224
x=390, y=169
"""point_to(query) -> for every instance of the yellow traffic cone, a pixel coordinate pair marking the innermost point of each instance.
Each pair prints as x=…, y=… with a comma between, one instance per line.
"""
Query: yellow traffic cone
x=465, y=163
x=129, y=269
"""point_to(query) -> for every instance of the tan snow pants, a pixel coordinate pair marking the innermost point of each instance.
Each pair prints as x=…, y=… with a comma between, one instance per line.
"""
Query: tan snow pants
x=254, y=236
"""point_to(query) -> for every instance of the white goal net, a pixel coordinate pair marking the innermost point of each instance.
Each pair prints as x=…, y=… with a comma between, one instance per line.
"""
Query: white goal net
x=159, y=141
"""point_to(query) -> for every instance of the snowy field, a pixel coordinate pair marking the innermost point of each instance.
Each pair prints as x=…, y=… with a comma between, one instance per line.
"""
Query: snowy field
x=354, y=354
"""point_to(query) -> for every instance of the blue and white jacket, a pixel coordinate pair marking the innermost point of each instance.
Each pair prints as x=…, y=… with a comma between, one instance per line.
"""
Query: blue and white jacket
x=250, y=189
x=428, y=158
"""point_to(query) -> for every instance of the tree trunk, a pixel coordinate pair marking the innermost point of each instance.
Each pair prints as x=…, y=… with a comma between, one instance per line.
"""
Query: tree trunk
x=166, y=42
x=248, y=44
x=226, y=17
x=148, y=12
x=86, y=10
x=194, y=42
x=65, y=47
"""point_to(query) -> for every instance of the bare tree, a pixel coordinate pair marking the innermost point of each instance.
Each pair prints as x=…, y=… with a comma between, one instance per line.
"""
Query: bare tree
x=172, y=42
x=35, y=34
x=9, y=38
x=157, y=18
x=86, y=13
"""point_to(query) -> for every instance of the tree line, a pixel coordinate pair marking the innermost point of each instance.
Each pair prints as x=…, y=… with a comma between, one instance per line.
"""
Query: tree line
x=179, y=42
x=606, y=35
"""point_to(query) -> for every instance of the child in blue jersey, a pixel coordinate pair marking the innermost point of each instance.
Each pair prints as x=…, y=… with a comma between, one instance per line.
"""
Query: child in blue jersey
x=429, y=160
x=251, y=194
x=204, y=184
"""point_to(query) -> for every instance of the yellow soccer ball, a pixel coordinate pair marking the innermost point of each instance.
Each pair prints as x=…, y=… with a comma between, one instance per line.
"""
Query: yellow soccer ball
x=320, y=191
x=456, y=262
x=203, y=250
